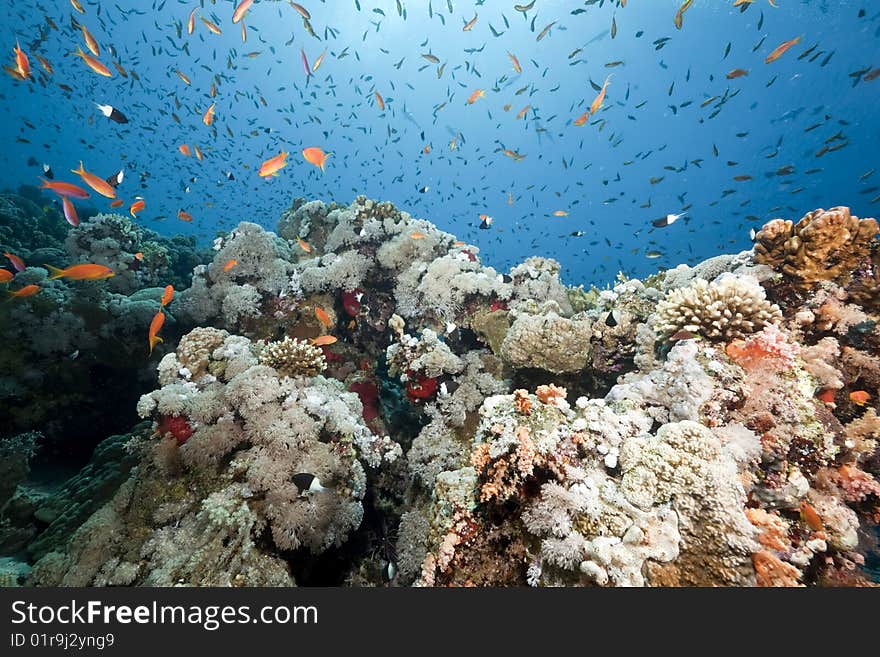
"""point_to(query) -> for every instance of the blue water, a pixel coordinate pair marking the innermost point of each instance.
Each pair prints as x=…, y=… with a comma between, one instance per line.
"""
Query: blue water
x=599, y=173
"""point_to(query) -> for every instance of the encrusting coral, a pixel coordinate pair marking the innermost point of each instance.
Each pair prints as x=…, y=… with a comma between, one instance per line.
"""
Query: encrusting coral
x=710, y=425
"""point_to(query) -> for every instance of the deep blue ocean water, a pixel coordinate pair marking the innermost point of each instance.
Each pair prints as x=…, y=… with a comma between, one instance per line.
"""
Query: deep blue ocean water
x=673, y=133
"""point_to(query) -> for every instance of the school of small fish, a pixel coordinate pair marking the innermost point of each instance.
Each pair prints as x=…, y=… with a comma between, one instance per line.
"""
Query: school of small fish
x=217, y=109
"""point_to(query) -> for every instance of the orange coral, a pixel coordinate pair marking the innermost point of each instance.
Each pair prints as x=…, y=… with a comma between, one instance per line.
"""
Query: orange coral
x=767, y=348
x=522, y=402
x=504, y=475
x=774, y=529
x=771, y=571
x=550, y=394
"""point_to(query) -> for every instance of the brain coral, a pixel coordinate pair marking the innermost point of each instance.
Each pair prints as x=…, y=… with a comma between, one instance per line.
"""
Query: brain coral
x=730, y=307
x=824, y=245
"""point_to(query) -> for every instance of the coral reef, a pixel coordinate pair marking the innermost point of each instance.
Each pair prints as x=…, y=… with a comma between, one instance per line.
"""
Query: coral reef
x=77, y=348
x=359, y=400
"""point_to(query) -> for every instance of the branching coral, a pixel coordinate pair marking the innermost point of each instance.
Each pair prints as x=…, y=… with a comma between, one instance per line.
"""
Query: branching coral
x=292, y=357
x=822, y=246
x=731, y=307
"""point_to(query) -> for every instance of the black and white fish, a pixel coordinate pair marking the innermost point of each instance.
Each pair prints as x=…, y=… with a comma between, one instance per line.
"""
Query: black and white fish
x=306, y=482
x=112, y=113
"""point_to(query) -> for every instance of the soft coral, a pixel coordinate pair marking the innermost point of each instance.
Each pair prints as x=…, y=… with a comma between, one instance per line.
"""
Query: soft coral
x=177, y=426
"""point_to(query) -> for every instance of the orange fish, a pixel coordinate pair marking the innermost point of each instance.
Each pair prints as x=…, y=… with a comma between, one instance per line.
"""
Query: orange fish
x=64, y=189
x=191, y=22
x=273, y=165
x=17, y=262
x=94, y=64
x=516, y=66
x=315, y=156
x=859, y=397
x=69, y=212
x=184, y=148
x=303, y=245
x=211, y=26
x=418, y=235
x=138, y=205
x=198, y=151
x=241, y=10
x=183, y=215
x=323, y=317
x=155, y=325
x=379, y=100
x=811, y=517
x=76, y=5
x=116, y=203
x=26, y=291
x=426, y=149
x=82, y=272
x=22, y=65
x=560, y=213
x=208, y=116
x=323, y=341
x=510, y=198
x=139, y=256
x=597, y=103
x=523, y=112
x=95, y=182
x=91, y=43
x=582, y=119
x=476, y=95
x=470, y=24
x=737, y=73
x=182, y=76
x=780, y=50
x=6, y=275
x=167, y=295
x=230, y=264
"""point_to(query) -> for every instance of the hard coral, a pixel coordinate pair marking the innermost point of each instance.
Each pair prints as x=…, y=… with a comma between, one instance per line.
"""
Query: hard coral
x=549, y=342
x=824, y=245
x=292, y=357
x=731, y=307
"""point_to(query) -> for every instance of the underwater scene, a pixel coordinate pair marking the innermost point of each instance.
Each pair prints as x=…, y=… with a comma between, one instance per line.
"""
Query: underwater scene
x=386, y=293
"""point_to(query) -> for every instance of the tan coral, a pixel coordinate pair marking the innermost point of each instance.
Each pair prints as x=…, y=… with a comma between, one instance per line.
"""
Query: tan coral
x=731, y=307
x=824, y=245
x=292, y=357
x=195, y=348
